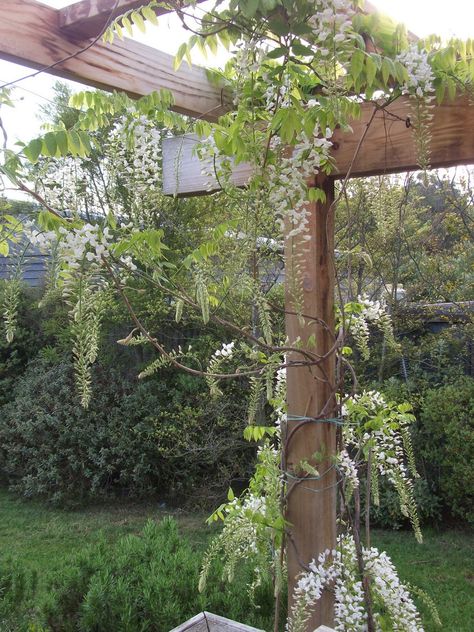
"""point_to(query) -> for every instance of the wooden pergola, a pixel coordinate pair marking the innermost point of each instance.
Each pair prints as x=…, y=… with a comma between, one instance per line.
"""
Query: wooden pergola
x=62, y=42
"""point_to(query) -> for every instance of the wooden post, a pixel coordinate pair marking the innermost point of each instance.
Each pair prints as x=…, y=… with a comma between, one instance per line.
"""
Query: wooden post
x=311, y=504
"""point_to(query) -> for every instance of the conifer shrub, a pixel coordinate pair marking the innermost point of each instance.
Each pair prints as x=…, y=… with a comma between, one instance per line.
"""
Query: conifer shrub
x=146, y=582
x=17, y=589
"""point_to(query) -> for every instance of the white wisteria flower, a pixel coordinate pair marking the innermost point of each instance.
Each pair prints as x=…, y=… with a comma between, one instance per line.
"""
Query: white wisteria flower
x=420, y=74
x=338, y=570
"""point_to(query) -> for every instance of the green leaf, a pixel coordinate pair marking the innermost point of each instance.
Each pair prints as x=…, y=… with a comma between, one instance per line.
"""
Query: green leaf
x=49, y=144
x=138, y=21
x=179, y=55
x=279, y=26
x=249, y=7
x=452, y=89
x=127, y=26
x=440, y=91
x=316, y=194
x=357, y=63
x=61, y=140
x=280, y=51
x=49, y=221
x=33, y=150
x=370, y=70
x=300, y=49
x=150, y=15
x=387, y=69
x=74, y=142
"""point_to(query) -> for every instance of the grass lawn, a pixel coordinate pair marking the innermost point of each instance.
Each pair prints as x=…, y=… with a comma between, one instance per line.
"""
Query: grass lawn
x=42, y=538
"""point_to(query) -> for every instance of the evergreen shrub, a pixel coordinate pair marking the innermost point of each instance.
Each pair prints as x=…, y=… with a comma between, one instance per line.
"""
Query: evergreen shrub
x=160, y=438
x=145, y=583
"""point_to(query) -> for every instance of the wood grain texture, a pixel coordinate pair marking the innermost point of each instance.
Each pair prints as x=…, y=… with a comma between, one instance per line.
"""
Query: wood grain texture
x=30, y=35
x=208, y=622
x=87, y=18
x=182, y=170
x=311, y=503
x=388, y=147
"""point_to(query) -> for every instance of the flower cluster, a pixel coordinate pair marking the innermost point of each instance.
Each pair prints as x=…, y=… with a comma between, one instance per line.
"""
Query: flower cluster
x=247, y=59
x=287, y=181
x=250, y=523
x=278, y=94
x=420, y=75
x=338, y=570
x=135, y=144
x=86, y=243
x=68, y=186
x=76, y=247
x=217, y=359
x=383, y=428
x=279, y=399
x=375, y=313
x=331, y=23
x=216, y=167
x=348, y=468
x=225, y=351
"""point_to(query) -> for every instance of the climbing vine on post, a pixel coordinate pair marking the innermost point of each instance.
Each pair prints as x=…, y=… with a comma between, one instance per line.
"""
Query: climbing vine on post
x=299, y=70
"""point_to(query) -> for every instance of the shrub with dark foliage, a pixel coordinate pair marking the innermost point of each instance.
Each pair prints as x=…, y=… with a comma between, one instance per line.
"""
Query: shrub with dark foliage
x=163, y=438
x=445, y=444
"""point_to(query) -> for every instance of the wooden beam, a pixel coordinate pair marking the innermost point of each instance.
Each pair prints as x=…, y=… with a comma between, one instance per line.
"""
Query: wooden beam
x=88, y=18
x=388, y=146
x=30, y=35
x=184, y=174
x=311, y=502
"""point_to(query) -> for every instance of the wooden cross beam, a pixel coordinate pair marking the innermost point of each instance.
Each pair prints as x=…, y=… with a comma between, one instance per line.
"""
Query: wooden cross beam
x=388, y=147
x=87, y=18
x=30, y=35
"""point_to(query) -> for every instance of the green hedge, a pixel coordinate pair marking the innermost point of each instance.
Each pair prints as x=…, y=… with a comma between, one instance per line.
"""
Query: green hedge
x=443, y=441
x=165, y=437
x=445, y=445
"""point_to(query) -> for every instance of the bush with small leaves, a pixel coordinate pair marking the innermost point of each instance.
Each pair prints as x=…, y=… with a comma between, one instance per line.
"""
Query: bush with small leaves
x=157, y=438
x=143, y=583
x=445, y=443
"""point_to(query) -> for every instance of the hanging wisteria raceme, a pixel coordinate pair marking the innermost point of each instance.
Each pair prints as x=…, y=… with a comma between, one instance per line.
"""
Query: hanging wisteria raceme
x=279, y=399
x=88, y=244
x=420, y=76
x=348, y=469
x=338, y=571
x=288, y=181
x=253, y=526
x=68, y=186
x=382, y=427
x=332, y=28
x=369, y=313
x=419, y=85
x=136, y=154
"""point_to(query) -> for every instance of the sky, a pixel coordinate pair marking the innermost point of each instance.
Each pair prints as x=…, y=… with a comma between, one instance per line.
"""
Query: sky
x=422, y=17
